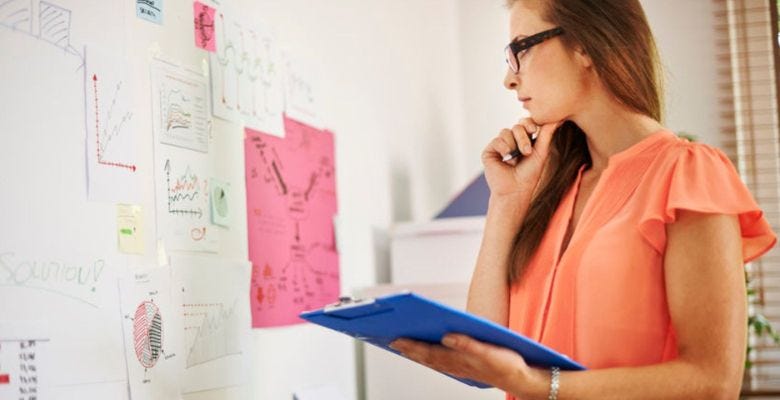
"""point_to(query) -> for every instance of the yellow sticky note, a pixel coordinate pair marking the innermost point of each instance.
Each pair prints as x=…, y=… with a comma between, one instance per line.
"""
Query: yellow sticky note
x=130, y=228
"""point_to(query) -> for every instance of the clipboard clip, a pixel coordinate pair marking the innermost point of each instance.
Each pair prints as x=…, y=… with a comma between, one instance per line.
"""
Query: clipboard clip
x=346, y=302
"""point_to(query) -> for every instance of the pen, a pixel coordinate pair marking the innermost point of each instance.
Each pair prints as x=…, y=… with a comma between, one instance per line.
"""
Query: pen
x=516, y=153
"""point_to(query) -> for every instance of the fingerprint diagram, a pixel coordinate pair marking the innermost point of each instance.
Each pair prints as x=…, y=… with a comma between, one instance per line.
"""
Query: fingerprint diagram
x=147, y=331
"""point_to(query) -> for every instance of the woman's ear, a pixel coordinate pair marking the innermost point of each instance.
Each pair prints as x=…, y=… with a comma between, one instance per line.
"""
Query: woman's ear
x=582, y=57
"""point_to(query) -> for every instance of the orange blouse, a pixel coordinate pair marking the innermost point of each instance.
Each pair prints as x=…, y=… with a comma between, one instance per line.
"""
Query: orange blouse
x=603, y=303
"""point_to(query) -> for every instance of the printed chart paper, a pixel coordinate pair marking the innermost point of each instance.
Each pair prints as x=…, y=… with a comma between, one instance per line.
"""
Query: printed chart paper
x=300, y=90
x=180, y=101
x=152, y=332
x=78, y=299
x=216, y=321
x=111, y=134
x=23, y=352
x=246, y=76
x=183, y=166
x=291, y=202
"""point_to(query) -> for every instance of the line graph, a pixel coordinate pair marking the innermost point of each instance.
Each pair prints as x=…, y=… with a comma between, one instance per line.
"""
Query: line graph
x=177, y=116
x=246, y=79
x=111, y=129
x=110, y=118
x=180, y=110
x=217, y=332
x=184, y=189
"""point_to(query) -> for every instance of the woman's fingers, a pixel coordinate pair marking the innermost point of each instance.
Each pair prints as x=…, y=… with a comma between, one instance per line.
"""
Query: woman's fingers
x=500, y=146
x=512, y=145
x=546, y=134
x=522, y=134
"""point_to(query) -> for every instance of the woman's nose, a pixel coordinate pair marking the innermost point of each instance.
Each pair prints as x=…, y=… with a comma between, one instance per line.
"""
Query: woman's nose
x=510, y=80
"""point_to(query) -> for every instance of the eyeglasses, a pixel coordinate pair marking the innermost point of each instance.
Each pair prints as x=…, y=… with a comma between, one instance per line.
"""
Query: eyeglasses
x=516, y=50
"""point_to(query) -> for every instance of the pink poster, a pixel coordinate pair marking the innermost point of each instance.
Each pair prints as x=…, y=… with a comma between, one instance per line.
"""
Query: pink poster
x=204, y=27
x=291, y=202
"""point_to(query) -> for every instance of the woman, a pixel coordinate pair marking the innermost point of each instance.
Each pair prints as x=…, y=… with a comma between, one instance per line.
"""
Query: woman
x=610, y=240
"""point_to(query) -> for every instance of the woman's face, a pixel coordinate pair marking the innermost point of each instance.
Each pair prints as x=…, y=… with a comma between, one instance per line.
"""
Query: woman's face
x=553, y=80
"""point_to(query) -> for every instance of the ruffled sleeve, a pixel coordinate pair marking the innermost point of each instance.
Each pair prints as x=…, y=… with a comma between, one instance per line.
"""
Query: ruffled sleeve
x=701, y=178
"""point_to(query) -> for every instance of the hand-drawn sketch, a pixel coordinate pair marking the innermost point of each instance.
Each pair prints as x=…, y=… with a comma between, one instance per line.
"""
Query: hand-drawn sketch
x=150, y=10
x=179, y=99
x=246, y=78
x=300, y=91
x=183, y=218
x=291, y=202
x=152, y=331
x=216, y=321
x=111, y=135
x=204, y=26
x=76, y=302
x=53, y=23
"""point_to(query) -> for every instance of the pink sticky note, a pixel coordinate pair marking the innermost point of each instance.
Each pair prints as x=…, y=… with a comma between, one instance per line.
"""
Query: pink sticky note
x=204, y=27
x=291, y=202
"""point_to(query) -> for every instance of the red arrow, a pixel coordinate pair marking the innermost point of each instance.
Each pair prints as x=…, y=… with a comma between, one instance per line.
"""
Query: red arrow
x=97, y=132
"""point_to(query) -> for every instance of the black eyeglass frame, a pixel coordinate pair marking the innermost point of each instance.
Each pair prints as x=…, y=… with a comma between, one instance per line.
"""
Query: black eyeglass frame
x=526, y=43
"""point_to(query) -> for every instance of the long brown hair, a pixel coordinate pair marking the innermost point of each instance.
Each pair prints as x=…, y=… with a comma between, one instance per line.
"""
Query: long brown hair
x=616, y=36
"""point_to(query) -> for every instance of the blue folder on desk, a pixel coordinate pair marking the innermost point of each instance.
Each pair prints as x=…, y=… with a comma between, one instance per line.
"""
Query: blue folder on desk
x=381, y=320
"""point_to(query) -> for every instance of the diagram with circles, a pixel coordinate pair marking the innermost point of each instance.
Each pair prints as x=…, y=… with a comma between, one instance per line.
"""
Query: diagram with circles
x=148, y=334
x=152, y=331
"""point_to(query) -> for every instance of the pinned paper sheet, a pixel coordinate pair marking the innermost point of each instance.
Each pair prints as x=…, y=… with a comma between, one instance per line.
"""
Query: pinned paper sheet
x=220, y=207
x=183, y=164
x=183, y=200
x=217, y=333
x=180, y=106
x=152, y=323
x=23, y=353
x=130, y=231
x=300, y=90
x=150, y=10
x=112, y=163
x=246, y=76
x=291, y=201
x=204, y=27
x=77, y=298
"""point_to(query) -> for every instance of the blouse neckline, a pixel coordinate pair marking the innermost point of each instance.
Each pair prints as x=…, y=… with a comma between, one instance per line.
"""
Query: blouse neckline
x=637, y=148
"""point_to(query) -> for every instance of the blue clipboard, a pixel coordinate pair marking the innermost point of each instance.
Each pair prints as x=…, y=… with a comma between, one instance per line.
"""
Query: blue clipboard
x=381, y=320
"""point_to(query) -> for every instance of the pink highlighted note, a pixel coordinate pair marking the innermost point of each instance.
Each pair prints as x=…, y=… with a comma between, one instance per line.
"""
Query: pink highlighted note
x=204, y=27
x=291, y=202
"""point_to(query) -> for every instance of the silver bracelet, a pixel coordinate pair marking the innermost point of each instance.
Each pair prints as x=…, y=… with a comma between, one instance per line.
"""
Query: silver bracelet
x=554, y=384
